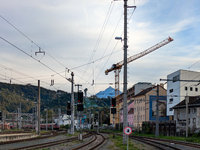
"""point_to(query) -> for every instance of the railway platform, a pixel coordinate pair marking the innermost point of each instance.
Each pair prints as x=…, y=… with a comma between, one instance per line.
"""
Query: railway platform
x=18, y=136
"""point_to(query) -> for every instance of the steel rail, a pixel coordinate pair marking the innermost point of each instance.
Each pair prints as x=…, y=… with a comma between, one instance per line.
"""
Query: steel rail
x=48, y=144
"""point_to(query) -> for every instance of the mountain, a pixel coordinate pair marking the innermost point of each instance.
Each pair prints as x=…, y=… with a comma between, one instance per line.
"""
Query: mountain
x=11, y=95
x=109, y=92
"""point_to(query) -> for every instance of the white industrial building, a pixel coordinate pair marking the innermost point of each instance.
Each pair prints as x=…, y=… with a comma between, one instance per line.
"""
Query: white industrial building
x=177, y=90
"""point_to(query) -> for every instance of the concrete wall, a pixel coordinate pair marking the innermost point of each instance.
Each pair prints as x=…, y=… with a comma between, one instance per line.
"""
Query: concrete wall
x=140, y=86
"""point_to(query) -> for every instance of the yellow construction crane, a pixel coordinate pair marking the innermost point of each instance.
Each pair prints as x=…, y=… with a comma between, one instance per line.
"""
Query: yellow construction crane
x=117, y=67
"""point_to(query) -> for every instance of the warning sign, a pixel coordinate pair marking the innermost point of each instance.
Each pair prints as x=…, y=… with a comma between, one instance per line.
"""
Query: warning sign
x=127, y=130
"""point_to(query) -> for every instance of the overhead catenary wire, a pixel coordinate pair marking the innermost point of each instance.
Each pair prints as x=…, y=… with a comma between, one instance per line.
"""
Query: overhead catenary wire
x=20, y=73
x=31, y=40
x=32, y=57
x=115, y=45
x=69, y=70
x=99, y=37
x=117, y=42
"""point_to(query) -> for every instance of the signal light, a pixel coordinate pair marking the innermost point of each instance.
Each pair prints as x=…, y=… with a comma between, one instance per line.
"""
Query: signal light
x=113, y=110
x=68, y=105
x=113, y=104
x=68, y=112
x=79, y=107
x=80, y=97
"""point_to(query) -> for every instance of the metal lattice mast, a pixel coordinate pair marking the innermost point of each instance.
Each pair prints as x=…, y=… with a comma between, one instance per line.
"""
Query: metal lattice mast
x=125, y=111
x=72, y=104
x=38, y=107
x=78, y=112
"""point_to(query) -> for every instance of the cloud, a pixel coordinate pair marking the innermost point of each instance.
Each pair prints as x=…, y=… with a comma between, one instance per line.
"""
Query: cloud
x=143, y=24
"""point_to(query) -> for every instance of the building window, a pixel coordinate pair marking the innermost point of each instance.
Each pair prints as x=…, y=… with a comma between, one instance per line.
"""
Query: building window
x=171, y=90
x=188, y=120
x=191, y=88
x=196, y=89
x=186, y=88
x=188, y=111
x=170, y=109
x=193, y=110
x=194, y=120
x=176, y=78
x=171, y=100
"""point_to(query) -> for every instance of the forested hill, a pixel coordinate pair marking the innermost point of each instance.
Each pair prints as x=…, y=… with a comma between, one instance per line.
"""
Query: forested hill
x=12, y=94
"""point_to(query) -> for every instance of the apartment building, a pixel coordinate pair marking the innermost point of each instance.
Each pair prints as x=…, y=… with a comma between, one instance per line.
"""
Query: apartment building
x=193, y=114
x=145, y=105
x=130, y=118
x=177, y=90
x=135, y=89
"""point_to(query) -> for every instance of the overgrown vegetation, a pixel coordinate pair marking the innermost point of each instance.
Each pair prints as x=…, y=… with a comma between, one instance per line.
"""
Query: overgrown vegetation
x=118, y=143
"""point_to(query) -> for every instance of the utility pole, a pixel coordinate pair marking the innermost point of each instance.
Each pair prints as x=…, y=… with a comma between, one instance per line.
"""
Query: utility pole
x=78, y=113
x=52, y=118
x=125, y=111
x=46, y=118
x=72, y=104
x=33, y=117
x=59, y=114
x=157, y=112
x=186, y=103
x=90, y=119
x=19, y=113
x=3, y=118
x=98, y=121
x=38, y=107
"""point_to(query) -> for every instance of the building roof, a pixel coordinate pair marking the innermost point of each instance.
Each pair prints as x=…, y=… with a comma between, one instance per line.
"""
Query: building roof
x=144, y=91
x=131, y=111
x=194, y=101
x=130, y=102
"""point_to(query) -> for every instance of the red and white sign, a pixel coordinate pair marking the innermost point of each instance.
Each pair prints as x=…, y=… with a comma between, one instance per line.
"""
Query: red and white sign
x=127, y=130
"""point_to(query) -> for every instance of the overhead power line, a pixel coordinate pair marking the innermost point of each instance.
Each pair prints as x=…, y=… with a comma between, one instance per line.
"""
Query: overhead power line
x=69, y=70
x=20, y=73
x=34, y=58
x=100, y=36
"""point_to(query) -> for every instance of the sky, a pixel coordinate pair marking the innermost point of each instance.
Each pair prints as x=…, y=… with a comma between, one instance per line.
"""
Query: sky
x=79, y=37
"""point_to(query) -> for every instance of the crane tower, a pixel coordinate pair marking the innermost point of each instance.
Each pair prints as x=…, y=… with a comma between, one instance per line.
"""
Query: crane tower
x=117, y=68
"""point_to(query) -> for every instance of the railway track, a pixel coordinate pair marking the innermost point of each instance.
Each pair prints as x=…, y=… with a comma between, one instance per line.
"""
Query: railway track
x=156, y=144
x=194, y=145
x=49, y=144
x=97, y=140
x=163, y=144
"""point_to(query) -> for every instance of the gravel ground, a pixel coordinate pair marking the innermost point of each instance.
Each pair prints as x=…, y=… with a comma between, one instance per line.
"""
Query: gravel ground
x=109, y=145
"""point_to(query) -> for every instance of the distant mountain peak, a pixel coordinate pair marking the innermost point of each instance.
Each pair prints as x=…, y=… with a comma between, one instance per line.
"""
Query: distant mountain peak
x=109, y=92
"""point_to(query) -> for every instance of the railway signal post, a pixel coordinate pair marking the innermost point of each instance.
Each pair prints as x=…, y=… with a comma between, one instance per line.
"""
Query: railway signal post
x=127, y=131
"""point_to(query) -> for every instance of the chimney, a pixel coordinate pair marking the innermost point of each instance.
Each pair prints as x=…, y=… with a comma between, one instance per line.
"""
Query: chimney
x=162, y=85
